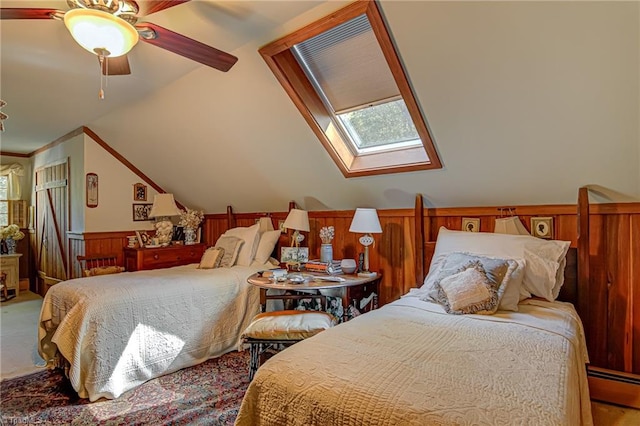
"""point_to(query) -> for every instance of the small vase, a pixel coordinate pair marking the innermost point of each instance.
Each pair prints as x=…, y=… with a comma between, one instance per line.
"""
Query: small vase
x=11, y=245
x=326, y=253
x=189, y=236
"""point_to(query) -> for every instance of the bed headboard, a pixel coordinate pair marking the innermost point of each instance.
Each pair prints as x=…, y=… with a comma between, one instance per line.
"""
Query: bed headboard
x=570, y=291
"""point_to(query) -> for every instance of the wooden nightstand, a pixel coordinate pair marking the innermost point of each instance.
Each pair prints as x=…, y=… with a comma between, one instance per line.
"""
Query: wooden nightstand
x=138, y=259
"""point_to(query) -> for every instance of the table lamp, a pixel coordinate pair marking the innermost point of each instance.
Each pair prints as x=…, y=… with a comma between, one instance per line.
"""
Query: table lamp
x=510, y=225
x=298, y=220
x=164, y=206
x=366, y=222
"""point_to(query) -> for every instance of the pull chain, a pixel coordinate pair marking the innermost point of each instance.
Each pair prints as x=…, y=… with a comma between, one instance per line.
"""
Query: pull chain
x=102, y=56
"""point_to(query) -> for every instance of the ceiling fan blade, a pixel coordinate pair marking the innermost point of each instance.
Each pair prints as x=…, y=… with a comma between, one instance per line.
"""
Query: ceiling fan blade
x=185, y=46
x=147, y=7
x=19, y=13
x=116, y=66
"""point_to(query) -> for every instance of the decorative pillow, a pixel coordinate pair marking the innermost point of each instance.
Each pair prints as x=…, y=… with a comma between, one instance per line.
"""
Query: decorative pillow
x=288, y=325
x=250, y=237
x=211, y=258
x=102, y=270
x=499, y=275
x=267, y=243
x=231, y=249
x=542, y=259
x=468, y=292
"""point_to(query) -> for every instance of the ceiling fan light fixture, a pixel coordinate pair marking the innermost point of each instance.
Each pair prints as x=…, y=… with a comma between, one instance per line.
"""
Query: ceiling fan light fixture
x=98, y=31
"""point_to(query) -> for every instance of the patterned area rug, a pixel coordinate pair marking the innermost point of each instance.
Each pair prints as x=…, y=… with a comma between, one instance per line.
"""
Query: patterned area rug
x=209, y=393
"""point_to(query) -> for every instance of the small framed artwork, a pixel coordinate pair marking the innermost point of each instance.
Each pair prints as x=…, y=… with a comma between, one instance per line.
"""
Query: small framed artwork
x=92, y=190
x=471, y=224
x=143, y=238
x=139, y=192
x=294, y=254
x=542, y=227
x=141, y=212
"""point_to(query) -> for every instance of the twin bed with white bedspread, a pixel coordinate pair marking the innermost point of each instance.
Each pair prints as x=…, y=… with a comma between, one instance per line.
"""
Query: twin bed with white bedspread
x=114, y=332
x=482, y=341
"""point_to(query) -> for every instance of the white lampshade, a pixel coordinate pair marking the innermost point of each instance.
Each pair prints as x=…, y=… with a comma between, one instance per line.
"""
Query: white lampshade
x=365, y=221
x=265, y=224
x=164, y=206
x=297, y=220
x=510, y=225
x=96, y=31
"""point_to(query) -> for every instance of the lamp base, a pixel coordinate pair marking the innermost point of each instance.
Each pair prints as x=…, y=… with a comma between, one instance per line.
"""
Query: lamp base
x=365, y=274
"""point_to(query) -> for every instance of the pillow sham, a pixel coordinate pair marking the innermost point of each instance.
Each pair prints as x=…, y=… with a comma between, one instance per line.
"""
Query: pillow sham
x=231, y=249
x=543, y=259
x=250, y=237
x=266, y=244
x=499, y=276
x=211, y=258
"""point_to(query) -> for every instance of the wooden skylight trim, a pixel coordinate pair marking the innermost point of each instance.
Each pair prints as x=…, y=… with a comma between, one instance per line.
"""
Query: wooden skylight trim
x=285, y=67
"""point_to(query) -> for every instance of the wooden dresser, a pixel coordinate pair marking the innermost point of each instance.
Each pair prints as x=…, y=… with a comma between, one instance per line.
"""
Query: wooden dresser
x=138, y=259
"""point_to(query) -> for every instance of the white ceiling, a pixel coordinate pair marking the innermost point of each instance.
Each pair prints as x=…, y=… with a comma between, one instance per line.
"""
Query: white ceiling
x=51, y=84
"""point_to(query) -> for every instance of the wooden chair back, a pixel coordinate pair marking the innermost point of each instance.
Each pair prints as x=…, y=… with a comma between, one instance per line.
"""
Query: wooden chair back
x=103, y=261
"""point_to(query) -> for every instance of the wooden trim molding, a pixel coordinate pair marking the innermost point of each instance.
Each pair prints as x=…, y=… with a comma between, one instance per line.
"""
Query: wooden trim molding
x=14, y=154
x=614, y=387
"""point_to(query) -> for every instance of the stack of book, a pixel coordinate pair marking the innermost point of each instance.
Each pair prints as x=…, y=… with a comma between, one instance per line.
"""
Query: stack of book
x=332, y=267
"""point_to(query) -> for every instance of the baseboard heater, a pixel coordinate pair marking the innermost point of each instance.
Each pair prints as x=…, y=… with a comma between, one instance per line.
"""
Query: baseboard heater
x=614, y=387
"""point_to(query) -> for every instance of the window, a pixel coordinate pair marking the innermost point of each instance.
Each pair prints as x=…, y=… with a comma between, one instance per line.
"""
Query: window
x=345, y=77
x=4, y=205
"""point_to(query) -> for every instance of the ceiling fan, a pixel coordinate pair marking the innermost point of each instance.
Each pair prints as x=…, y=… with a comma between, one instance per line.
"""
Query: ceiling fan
x=119, y=19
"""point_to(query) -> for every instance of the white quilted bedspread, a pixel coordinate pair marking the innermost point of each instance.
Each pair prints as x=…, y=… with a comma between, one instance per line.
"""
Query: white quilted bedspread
x=409, y=363
x=118, y=331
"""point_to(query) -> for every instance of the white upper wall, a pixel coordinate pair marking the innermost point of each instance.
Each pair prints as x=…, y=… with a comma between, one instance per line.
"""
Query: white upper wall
x=526, y=101
x=115, y=192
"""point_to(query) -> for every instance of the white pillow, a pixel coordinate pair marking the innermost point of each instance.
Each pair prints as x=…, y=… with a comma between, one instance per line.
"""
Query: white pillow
x=543, y=259
x=250, y=237
x=267, y=243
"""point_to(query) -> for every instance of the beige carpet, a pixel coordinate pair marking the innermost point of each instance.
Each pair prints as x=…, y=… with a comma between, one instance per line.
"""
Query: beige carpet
x=18, y=335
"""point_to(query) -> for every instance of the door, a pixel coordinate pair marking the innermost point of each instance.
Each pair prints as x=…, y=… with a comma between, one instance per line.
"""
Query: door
x=52, y=224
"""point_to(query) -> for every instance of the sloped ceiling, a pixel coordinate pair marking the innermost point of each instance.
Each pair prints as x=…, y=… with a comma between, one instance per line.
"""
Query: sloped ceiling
x=526, y=102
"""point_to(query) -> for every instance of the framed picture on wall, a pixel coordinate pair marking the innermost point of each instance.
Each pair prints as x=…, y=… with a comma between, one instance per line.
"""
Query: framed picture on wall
x=141, y=212
x=542, y=227
x=139, y=192
x=92, y=190
x=471, y=224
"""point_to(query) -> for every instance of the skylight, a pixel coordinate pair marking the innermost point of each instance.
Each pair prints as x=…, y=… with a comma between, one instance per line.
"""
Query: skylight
x=345, y=77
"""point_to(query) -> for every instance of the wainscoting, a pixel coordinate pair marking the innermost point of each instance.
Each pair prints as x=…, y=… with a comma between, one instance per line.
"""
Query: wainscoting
x=612, y=325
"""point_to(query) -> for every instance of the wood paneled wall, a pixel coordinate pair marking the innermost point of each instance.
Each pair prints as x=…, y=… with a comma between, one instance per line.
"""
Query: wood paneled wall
x=613, y=326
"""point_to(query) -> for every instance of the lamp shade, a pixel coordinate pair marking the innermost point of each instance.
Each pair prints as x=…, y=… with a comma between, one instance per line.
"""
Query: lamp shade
x=96, y=31
x=164, y=205
x=298, y=220
x=365, y=221
x=510, y=225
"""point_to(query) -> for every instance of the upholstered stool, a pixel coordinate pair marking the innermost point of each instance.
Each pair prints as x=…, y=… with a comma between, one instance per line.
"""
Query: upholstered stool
x=271, y=330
